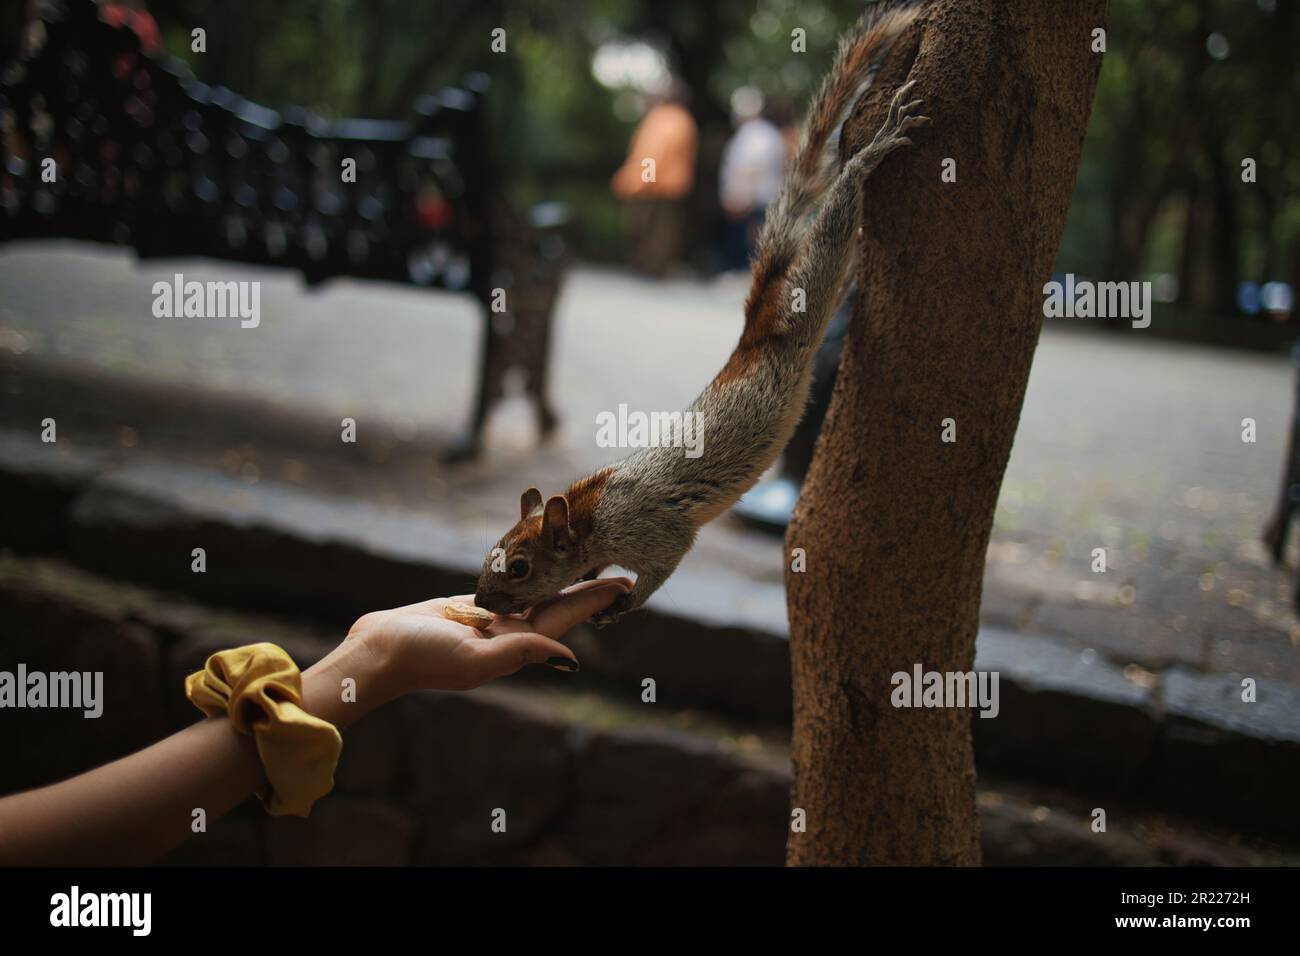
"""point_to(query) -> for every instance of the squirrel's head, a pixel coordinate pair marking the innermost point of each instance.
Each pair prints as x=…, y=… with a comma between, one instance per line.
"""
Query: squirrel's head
x=533, y=561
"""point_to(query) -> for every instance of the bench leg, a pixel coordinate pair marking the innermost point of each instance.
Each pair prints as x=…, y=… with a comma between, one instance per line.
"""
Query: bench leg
x=489, y=390
x=537, y=378
x=525, y=346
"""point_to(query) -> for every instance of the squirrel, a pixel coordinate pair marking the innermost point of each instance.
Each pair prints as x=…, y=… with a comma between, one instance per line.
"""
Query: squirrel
x=643, y=513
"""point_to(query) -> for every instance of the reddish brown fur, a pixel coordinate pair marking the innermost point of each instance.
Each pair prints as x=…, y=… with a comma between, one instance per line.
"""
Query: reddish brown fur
x=583, y=496
x=530, y=529
x=825, y=120
x=762, y=324
x=765, y=310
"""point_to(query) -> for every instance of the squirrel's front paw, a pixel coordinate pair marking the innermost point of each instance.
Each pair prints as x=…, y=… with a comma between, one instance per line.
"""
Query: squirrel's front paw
x=901, y=117
x=617, y=608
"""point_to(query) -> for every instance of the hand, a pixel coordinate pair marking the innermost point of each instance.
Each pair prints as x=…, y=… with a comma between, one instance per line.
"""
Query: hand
x=425, y=651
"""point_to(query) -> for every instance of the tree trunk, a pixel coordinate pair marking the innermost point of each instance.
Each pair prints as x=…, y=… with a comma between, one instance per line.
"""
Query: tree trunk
x=894, y=521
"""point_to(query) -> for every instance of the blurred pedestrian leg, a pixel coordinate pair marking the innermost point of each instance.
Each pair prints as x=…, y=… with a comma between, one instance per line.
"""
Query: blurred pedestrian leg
x=658, y=230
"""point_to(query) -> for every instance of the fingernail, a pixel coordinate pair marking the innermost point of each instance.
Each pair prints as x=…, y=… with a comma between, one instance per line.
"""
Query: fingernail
x=563, y=664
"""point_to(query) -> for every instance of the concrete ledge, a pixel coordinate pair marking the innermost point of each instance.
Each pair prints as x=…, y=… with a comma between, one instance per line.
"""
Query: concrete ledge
x=1066, y=717
x=38, y=484
x=275, y=548
x=1063, y=718
x=420, y=779
x=1217, y=750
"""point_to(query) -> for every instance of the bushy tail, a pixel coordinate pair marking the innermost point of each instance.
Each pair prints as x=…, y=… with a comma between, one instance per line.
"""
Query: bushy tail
x=817, y=162
x=805, y=259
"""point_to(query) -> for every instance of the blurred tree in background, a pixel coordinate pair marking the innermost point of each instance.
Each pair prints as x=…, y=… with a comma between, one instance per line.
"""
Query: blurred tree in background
x=1189, y=89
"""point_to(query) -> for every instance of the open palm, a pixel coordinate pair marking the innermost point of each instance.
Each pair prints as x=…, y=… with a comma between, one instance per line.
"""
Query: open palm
x=434, y=653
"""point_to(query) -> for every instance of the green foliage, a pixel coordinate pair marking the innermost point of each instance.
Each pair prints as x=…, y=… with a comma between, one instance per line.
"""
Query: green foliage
x=1188, y=89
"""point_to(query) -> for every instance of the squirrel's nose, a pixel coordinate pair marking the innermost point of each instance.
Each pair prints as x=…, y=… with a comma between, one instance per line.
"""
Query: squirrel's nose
x=492, y=601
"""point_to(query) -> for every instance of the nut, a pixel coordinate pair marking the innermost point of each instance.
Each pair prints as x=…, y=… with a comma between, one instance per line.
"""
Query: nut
x=467, y=614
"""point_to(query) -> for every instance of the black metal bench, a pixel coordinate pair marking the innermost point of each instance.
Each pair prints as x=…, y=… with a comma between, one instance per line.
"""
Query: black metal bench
x=149, y=157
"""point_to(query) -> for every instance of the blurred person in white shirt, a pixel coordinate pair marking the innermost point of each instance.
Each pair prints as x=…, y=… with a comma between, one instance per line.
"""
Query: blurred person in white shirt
x=753, y=163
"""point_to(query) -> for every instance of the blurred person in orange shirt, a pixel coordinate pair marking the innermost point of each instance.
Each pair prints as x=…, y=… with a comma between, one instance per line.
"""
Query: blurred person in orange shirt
x=655, y=193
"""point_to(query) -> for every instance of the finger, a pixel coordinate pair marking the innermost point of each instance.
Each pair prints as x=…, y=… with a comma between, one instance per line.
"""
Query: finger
x=508, y=653
x=558, y=615
x=622, y=582
x=619, y=585
x=571, y=589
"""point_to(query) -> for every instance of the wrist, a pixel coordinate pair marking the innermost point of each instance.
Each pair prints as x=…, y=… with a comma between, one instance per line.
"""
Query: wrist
x=358, y=676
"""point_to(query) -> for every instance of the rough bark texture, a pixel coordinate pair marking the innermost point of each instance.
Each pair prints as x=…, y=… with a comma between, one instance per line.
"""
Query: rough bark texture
x=894, y=521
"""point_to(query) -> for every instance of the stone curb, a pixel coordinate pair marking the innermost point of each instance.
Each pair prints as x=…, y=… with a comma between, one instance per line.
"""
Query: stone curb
x=420, y=780
x=1186, y=741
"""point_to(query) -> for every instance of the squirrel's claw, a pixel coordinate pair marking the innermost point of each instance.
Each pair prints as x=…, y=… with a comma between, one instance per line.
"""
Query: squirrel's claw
x=617, y=608
x=898, y=120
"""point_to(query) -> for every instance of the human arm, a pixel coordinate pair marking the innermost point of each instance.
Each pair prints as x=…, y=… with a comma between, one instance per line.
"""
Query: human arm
x=135, y=809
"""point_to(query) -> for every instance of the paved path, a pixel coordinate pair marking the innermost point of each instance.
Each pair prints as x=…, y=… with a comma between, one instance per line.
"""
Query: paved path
x=1125, y=443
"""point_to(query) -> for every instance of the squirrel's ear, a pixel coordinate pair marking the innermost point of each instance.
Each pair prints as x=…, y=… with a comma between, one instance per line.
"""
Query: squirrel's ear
x=555, y=521
x=530, y=502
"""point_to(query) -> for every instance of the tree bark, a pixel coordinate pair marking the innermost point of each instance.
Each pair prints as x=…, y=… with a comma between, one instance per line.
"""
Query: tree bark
x=894, y=521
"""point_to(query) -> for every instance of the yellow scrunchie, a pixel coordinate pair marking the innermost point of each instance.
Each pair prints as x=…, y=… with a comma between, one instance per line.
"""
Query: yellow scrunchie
x=260, y=689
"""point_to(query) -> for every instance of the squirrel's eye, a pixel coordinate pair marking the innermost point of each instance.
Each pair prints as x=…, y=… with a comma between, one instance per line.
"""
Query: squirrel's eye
x=518, y=568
